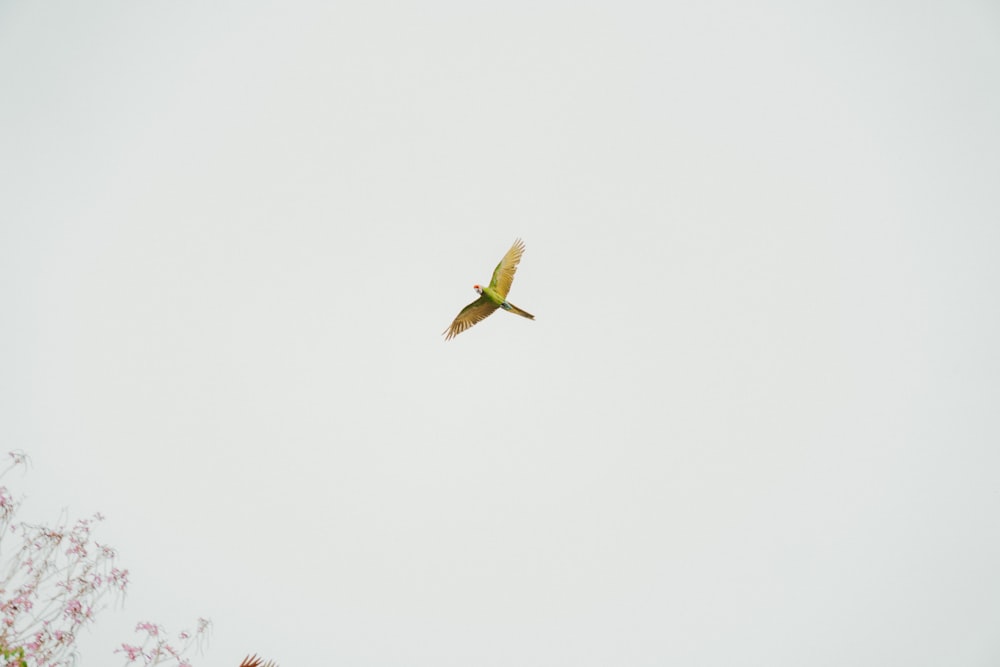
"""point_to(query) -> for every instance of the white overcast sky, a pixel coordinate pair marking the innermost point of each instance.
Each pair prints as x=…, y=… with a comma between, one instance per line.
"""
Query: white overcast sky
x=755, y=422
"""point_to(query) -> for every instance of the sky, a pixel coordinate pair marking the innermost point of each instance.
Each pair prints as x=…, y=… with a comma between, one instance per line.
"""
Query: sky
x=754, y=423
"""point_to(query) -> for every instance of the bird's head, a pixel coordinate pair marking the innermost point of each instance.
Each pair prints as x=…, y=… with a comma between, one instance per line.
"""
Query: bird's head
x=478, y=289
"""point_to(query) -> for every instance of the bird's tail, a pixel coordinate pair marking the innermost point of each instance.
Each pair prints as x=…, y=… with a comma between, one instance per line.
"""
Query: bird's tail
x=522, y=313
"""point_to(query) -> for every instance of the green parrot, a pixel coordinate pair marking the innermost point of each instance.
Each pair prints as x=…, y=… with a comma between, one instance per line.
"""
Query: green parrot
x=492, y=297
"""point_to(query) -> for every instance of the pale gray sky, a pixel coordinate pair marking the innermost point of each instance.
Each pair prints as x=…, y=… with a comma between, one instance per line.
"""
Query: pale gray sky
x=754, y=423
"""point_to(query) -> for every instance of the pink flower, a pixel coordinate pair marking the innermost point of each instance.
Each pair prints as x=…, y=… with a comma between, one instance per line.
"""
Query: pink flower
x=119, y=578
x=74, y=609
x=132, y=652
x=151, y=628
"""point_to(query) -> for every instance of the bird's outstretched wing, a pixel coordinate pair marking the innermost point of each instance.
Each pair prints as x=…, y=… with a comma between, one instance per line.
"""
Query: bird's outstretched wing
x=476, y=311
x=254, y=661
x=503, y=275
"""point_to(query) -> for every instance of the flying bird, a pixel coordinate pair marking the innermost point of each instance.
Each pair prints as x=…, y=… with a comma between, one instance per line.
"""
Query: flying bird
x=492, y=297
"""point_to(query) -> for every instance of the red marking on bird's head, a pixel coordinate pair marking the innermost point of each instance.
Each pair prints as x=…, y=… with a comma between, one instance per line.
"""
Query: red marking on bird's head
x=478, y=288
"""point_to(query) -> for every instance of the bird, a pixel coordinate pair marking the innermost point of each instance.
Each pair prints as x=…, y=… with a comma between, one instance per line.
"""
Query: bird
x=492, y=297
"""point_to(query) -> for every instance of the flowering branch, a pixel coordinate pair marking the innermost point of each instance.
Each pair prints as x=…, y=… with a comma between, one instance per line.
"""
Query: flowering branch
x=156, y=649
x=53, y=583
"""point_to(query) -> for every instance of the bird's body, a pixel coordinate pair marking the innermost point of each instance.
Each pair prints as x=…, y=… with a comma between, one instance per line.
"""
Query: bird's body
x=493, y=296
